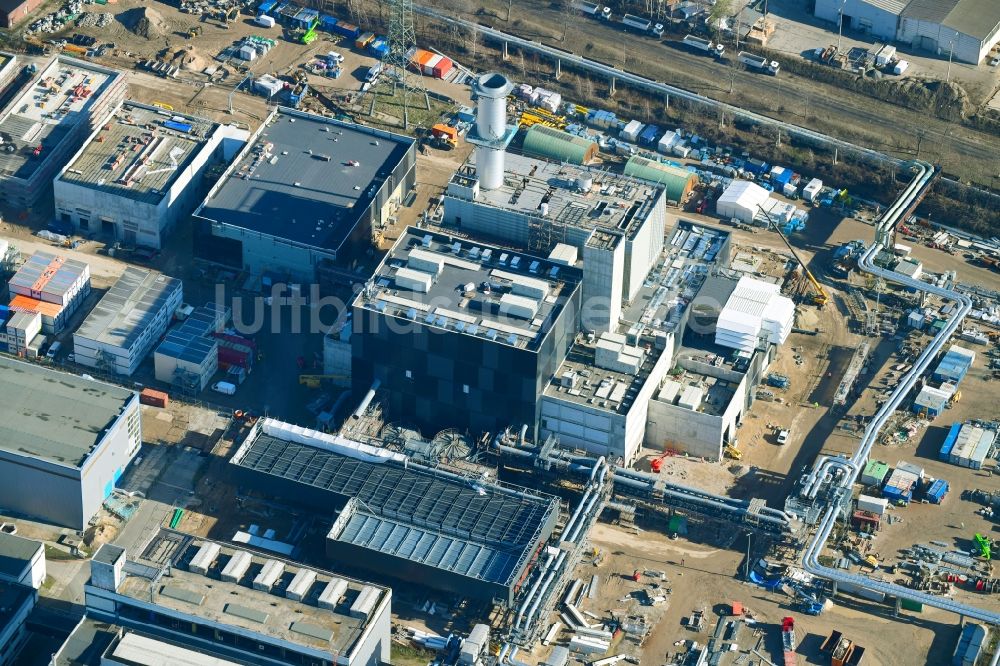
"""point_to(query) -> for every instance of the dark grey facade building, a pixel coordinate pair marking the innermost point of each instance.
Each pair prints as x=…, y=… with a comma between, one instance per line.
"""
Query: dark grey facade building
x=462, y=334
x=304, y=190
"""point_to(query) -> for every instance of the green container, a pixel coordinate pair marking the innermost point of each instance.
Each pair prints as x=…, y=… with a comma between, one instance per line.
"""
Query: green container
x=915, y=606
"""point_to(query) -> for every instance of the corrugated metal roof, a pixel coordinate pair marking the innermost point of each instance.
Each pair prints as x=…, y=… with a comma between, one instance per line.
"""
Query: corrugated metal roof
x=128, y=307
x=976, y=18
x=891, y=6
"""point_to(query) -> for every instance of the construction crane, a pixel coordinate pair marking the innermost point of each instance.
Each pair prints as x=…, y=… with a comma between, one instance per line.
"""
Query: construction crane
x=820, y=298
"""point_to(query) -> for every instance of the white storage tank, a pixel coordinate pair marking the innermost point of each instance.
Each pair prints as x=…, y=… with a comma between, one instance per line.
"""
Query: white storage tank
x=299, y=588
x=269, y=575
x=237, y=567
x=331, y=595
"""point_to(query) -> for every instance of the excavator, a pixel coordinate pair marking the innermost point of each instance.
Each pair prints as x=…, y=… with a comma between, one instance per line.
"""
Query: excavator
x=820, y=297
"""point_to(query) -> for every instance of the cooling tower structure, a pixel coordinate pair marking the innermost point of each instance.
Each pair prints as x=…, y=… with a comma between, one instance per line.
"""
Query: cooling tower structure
x=491, y=134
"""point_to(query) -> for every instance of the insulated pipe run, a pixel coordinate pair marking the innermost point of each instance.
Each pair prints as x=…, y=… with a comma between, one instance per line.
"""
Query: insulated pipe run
x=549, y=577
x=531, y=592
x=583, y=518
x=367, y=399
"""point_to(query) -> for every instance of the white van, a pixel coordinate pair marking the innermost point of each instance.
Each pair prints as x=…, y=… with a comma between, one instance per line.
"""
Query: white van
x=225, y=388
x=53, y=351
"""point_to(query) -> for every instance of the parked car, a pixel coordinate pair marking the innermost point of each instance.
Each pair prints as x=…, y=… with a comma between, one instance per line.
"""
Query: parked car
x=783, y=435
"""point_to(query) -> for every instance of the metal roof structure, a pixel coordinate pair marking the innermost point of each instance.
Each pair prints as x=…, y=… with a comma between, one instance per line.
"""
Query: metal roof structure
x=976, y=18
x=553, y=144
x=50, y=276
x=139, y=152
x=47, y=111
x=192, y=341
x=128, y=307
x=468, y=527
x=54, y=416
x=305, y=178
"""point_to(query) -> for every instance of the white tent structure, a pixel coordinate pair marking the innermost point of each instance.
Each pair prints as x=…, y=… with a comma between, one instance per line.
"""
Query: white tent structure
x=740, y=201
x=755, y=310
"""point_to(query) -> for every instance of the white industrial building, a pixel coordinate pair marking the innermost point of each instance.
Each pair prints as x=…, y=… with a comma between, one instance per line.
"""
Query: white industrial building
x=22, y=561
x=192, y=615
x=122, y=329
x=64, y=442
x=599, y=398
x=965, y=29
x=141, y=172
x=755, y=313
x=741, y=201
x=51, y=286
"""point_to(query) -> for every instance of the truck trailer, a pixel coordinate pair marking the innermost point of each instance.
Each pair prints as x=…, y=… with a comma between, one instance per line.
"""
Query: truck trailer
x=759, y=63
x=593, y=9
x=704, y=46
x=642, y=25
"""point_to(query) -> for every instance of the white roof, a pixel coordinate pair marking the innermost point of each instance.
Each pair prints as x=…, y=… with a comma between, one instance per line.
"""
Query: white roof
x=136, y=649
x=745, y=194
x=754, y=305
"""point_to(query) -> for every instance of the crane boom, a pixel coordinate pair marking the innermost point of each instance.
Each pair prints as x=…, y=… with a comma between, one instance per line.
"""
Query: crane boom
x=820, y=298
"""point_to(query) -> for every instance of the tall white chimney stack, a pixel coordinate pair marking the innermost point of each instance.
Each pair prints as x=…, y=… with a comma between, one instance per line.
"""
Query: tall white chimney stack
x=491, y=134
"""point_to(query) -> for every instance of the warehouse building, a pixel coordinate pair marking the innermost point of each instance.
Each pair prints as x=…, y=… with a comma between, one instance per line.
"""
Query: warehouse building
x=461, y=334
x=64, y=442
x=49, y=120
x=175, y=607
x=51, y=286
x=967, y=30
x=141, y=172
x=599, y=397
x=129, y=319
x=399, y=519
x=305, y=190
x=677, y=181
x=549, y=143
x=617, y=223
x=22, y=561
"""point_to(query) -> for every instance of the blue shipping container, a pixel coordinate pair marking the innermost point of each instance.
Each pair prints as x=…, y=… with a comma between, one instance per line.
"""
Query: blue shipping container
x=328, y=23
x=937, y=491
x=180, y=127
x=649, y=135
x=783, y=177
x=347, y=29
x=949, y=442
x=266, y=6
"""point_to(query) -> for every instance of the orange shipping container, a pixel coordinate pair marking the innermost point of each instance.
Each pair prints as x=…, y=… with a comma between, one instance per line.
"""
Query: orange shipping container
x=154, y=398
x=22, y=303
x=425, y=57
x=443, y=67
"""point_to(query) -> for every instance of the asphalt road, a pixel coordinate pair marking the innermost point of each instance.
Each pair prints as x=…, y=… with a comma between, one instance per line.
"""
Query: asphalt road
x=805, y=102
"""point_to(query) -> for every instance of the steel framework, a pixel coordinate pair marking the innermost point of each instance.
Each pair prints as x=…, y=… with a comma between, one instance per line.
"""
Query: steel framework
x=396, y=77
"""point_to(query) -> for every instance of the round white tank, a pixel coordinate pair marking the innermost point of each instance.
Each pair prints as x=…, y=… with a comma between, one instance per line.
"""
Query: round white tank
x=489, y=167
x=492, y=89
x=585, y=183
x=545, y=209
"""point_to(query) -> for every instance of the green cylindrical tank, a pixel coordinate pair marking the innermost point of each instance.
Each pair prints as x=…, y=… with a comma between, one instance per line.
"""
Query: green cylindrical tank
x=677, y=181
x=559, y=146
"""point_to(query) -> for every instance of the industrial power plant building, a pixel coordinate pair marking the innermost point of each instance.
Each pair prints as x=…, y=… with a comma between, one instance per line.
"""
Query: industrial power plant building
x=303, y=191
x=197, y=601
x=64, y=442
x=141, y=172
x=122, y=329
x=50, y=119
x=461, y=334
x=397, y=518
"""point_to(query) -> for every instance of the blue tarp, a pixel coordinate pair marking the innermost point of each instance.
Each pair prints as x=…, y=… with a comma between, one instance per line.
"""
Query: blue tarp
x=768, y=583
x=180, y=127
x=784, y=176
x=949, y=442
x=267, y=6
x=649, y=135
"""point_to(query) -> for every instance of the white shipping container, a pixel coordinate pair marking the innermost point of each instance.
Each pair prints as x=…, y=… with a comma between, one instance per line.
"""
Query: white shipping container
x=900, y=67
x=812, y=189
x=431, y=64
x=875, y=505
x=247, y=53
x=265, y=21
x=418, y=281
x=667, y=142
x=632, y=130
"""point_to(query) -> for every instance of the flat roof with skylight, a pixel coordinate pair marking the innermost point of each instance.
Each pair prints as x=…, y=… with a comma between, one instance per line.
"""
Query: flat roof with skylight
x=213, y=597
x=470, y=288
x=55, y=416
x=139, y=152
x=305, y=178
x=47, y=110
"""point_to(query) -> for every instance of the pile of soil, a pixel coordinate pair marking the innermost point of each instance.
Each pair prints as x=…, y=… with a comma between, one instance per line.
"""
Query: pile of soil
x=145, y=22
